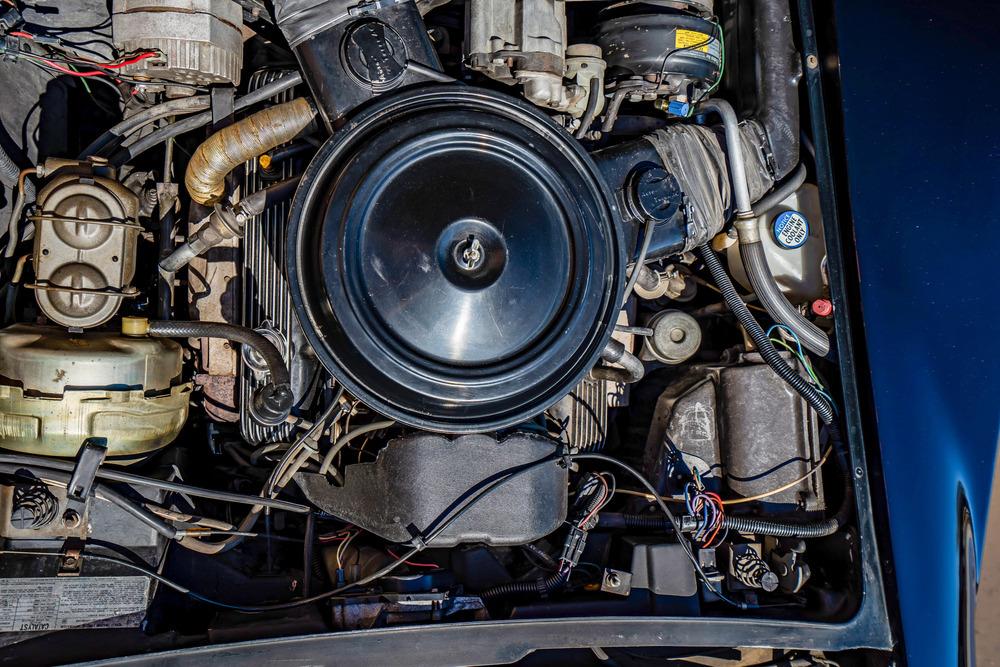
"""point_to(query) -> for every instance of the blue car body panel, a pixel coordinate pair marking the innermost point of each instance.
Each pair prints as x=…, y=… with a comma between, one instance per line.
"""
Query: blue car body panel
x=921, y=106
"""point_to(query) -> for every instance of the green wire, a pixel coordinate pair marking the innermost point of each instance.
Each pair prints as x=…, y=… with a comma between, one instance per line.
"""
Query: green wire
x=83, y=80
x=722, y=69
x=804, y=360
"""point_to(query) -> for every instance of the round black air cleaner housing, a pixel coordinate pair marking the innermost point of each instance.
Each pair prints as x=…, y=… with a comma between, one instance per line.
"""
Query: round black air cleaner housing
x=455, y=259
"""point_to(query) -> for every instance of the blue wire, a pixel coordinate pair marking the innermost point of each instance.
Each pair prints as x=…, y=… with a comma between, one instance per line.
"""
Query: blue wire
x=802, y=358
x=791, y=333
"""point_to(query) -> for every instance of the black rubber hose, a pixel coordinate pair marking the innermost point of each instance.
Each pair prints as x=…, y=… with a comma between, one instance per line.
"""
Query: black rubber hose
x=614, y=352
x=111, y=137
x=537, y=587
x=242, y=335
x=128, y=153
x=764, y=346
x=781, y=192
x=775, y=302
x=741, y=524
x=271, y=403
x=591, y=111
x=780, y=69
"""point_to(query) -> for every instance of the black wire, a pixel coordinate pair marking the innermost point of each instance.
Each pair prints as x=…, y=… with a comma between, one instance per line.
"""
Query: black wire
x=421, y=543
x=711, y=38
x=255, y=609
x=307, y=553
x=670, y=516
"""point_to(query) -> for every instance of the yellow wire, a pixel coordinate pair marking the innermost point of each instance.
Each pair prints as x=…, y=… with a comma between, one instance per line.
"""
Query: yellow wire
x=750, y=499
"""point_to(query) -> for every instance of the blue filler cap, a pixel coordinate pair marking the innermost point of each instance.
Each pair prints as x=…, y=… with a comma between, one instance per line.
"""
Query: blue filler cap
x=790, y=230
x=676, y=108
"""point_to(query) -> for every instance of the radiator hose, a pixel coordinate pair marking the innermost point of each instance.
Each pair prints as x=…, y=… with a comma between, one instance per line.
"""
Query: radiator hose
x=272, y=402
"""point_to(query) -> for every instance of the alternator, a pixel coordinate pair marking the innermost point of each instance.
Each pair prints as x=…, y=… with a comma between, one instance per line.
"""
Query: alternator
x=199, y=41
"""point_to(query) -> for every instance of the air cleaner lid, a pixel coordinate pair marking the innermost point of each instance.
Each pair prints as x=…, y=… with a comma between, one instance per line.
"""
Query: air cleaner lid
x=455, y=259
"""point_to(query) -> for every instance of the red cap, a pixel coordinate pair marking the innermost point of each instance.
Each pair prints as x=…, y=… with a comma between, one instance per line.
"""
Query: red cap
x=822, y=307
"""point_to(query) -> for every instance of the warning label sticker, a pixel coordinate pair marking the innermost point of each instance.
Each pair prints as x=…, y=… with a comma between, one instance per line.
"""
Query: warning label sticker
x=692, y=39
x=57, y=603
x=699, y=43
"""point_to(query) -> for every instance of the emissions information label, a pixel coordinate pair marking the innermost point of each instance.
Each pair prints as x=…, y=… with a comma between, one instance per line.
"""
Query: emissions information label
x=57, y=603
x=698, y=43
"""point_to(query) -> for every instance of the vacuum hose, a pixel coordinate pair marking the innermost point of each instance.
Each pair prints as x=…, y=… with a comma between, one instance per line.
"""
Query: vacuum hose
x=272, y=402
x=614, y=352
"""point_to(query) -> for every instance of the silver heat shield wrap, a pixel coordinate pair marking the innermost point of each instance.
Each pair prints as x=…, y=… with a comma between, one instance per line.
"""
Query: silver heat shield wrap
x=694, y=155
x=301, y=19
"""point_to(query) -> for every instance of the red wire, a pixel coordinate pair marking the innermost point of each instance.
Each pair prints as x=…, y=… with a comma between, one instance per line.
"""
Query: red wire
x=720, y=513
x=597, y=507
x=18, y=33
x=411, y=563
x=66, y=70
x=125, y=63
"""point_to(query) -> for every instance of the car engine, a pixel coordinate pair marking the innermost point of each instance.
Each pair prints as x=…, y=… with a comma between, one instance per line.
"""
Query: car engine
x=333, y=315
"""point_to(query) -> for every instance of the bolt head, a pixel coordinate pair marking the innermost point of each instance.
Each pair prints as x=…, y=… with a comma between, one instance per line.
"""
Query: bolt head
x=71, y=519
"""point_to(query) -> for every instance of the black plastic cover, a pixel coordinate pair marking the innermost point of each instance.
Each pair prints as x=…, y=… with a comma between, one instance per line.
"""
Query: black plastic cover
x=455, y=259
x=418, y=479
x=350, y=51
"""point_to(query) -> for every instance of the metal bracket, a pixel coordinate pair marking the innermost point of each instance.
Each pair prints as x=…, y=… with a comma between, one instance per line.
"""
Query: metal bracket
x=72, y=559
x=81, y=482
x=618, y=582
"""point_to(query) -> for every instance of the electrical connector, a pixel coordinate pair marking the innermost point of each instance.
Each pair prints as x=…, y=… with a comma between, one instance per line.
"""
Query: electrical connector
x=10, y=48
x=10, y=20
x=576, y=541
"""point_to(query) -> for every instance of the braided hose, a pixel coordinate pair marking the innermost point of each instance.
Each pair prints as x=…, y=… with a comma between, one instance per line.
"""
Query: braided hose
x=272, y=402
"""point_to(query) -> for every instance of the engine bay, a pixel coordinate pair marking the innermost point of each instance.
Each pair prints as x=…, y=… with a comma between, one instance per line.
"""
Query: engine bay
x=323, y=316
